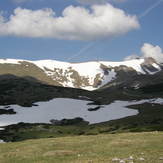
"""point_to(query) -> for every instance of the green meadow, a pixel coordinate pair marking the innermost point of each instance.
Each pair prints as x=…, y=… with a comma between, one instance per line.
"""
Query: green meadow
x=103, y=148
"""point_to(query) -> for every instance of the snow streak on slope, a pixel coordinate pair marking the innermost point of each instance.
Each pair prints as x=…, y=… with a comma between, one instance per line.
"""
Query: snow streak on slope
x=107, y=78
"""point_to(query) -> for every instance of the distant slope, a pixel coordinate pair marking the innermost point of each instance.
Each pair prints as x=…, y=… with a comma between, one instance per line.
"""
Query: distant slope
x=88, y=75
x=17, y=90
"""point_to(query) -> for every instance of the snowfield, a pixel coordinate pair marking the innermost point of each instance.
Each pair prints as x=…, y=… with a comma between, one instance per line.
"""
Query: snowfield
x=60, y=108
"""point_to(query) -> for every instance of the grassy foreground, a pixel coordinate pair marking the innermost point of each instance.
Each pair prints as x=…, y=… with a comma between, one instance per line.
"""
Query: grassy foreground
x=86, y=149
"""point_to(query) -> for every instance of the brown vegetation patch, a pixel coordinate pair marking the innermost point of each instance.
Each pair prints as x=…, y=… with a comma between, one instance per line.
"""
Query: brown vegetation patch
x=58, y=153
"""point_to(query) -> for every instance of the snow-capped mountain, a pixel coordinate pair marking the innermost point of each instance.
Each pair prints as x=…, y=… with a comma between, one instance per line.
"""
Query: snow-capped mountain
x=87, y=75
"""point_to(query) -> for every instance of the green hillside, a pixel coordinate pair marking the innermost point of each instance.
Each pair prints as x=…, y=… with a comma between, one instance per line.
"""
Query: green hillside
x=129, y=147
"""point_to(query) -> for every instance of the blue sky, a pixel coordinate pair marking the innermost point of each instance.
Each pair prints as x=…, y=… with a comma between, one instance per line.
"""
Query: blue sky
x=81, y=30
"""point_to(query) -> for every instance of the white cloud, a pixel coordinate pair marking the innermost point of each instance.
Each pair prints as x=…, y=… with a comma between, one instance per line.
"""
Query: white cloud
x=149, y=50
x=76, y=23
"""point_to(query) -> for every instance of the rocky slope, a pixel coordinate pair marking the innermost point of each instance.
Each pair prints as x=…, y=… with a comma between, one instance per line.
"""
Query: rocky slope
x=87, y=75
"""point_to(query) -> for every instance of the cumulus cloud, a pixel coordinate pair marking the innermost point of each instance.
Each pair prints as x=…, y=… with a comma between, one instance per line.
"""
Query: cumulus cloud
x=149, y=50
x=76, y=23
x=91, y=2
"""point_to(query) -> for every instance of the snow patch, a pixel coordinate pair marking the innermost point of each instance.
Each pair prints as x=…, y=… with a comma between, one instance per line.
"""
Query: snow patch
x=135, y=64
x=156, y=66
x=10, y=61
x=108, y=78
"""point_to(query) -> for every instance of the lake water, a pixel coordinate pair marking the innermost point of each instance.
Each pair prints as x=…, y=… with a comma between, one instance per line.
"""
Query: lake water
x=60, y=108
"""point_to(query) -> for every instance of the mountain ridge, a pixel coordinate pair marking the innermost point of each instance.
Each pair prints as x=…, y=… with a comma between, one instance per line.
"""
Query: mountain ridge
x=92, y=75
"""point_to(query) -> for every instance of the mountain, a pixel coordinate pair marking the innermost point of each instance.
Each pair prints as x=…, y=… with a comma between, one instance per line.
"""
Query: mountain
x=95, y=75
x=37, y=89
